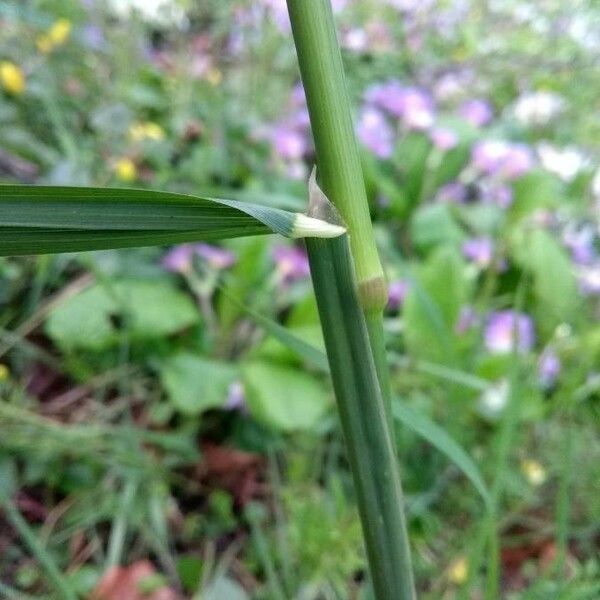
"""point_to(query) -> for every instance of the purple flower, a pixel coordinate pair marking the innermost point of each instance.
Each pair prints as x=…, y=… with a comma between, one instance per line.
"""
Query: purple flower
x=397, y=291
x=412, y=105
x=480, y=251
x=443, y=139
x=93, y=37
x=288, y=142
x=501, y=158
x=452, y=192
x=581, y=244
x=216, y=257
x=375, y=132
x=179, y=259
x=548, y=368
x=291, y=263
x=501, y=195
x=476, y=112
x=507, y=329
x=588, y=278
x=518, y=160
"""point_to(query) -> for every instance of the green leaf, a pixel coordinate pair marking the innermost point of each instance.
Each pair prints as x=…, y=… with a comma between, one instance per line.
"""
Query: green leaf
x=555, y=285
x=41, y=219
x=195, y=384
x=284, y=397
x=433, y=225
x=433, y=305
x=536, y=190
x=145, y=308
x=439, y=439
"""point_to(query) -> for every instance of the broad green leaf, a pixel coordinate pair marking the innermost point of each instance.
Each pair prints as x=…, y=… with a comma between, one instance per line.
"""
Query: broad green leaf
x=433, y=225
x=439, y=439
x=432, y=307
x=536, y=190
x=42, y=219
x=284, y=397
x=195, y=384
x=554, y=281
x=410, y=157
x=145, y=308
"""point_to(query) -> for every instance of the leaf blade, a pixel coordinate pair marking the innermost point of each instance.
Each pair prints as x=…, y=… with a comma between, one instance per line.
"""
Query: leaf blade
x=50, y=219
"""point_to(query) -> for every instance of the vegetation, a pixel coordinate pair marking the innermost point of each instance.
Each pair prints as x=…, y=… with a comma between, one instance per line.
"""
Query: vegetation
x=168, y=425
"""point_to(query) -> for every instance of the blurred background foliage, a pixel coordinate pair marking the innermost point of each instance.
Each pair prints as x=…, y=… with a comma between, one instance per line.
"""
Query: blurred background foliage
x=167, y=429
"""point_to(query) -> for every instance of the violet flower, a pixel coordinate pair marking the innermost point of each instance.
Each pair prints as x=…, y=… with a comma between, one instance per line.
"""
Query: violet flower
x=288, y=142
x=476, y=112
x=216, y=257
x=179, y=259
x=501, y=158
x=413, y=105
x=375, y=132
x=443, y=139
x=291, y=263
x=507, y=329
x=397, y=291
x=479, y=251
x=588, y=278
x=580, y=243
x=453, y=191
x=549, y=367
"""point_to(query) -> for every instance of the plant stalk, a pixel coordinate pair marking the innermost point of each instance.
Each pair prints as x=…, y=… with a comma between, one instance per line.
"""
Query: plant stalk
x=369, y=444
x=338, y=160
x=351, y=294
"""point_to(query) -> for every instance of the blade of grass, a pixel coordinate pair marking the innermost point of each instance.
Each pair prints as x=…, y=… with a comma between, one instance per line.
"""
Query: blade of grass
x=437, y=437
x=42, y=219
x=119, y=527
x=53, y=573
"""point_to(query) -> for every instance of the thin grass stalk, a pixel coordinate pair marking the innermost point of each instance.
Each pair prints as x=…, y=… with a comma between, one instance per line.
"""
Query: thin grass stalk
x=352, y=313
x=338, y=159
x=369, y=444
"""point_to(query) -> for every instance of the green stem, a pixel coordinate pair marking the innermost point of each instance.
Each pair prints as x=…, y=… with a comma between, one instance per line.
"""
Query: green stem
x=364, y=421
x=351, y=303
x=338, y=160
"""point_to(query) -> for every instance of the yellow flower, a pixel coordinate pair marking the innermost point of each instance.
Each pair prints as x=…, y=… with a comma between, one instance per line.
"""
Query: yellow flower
x=125, y=169
x=534, y=472
x=12, y=78
x=458, y=571
x=4, y=372
x=60, y=31
x=146, y=131
x=214, y=77
x=44, y=43
x=56, y=36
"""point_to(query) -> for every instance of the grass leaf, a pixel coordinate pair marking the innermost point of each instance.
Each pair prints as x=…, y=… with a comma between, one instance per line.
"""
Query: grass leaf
x=46, y=219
